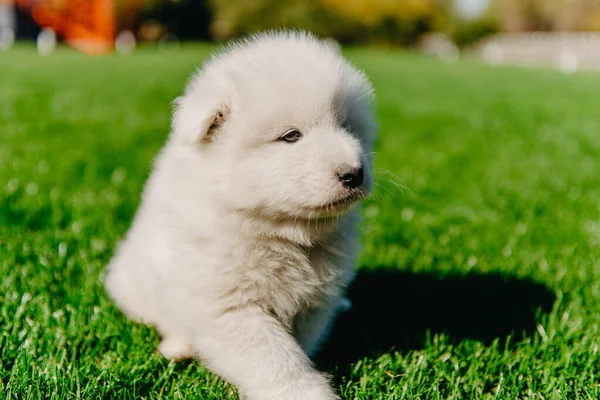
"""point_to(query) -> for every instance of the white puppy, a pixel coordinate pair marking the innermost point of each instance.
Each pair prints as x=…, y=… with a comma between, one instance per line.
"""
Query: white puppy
x=246, y=235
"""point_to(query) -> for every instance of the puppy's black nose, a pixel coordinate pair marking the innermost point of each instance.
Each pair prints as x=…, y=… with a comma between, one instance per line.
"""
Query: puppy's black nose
x=350, y=177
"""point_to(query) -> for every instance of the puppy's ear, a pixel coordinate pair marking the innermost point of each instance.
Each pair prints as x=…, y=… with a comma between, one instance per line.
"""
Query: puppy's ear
x=198, y=116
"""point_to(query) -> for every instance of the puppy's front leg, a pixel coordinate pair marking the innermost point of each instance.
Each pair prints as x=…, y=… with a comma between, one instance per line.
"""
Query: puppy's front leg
x=252, y=349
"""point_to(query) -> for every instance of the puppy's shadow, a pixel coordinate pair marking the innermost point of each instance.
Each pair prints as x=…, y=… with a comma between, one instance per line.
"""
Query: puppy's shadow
x=396, y=310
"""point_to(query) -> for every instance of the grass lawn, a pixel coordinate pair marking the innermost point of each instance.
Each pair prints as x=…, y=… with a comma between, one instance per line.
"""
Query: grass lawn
x=481, y=281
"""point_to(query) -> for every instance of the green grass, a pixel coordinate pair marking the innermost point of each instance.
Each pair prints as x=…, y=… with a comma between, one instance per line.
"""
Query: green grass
x=481, y=282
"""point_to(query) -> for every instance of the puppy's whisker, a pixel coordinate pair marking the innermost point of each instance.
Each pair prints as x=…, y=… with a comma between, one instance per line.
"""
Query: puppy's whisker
x=401, y=188
x=395, y=183
x=394, y=195
x=371, y=153
x=390, y=177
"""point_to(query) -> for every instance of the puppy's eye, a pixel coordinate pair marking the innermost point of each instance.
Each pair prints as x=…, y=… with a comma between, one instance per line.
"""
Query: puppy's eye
x=291, y=136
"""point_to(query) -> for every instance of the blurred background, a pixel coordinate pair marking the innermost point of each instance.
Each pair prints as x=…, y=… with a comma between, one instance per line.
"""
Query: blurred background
x=562, y=33
x=481, y=261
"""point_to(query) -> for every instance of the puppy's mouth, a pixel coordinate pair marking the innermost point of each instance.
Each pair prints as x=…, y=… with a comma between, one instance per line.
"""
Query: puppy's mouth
x=340, y=205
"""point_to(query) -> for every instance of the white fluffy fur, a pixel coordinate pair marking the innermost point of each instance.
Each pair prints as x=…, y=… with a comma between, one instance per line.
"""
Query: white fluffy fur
x=241, y=249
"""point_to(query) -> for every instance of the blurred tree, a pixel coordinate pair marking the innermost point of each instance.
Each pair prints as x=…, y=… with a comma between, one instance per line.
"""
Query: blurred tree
x=127, y=12
x=186, y=19
x=395, y=21
x=239, y=17
x=466, y=31
x=548, y=15
x=350, y=21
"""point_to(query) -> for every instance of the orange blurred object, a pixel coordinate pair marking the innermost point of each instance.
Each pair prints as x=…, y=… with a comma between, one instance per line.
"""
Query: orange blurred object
x=87, y=25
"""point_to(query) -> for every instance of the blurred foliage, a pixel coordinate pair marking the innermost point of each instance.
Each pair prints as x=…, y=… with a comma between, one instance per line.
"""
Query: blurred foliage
x=186, y=19
x=128, y=12
x=238, y=17
x=152, y=19
x=464, y=33
x=548, y=15
x=350, y=21
x=389, y=20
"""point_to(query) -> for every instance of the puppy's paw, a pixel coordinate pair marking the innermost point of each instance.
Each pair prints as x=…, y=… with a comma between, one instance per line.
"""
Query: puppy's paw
x=175, y=348
x=315, y=387
x=304, y=396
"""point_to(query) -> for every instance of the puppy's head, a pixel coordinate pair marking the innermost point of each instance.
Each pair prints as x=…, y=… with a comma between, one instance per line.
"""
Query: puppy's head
x=280, y=125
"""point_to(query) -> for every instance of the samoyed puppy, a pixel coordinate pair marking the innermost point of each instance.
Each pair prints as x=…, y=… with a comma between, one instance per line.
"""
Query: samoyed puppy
x=246, y=235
